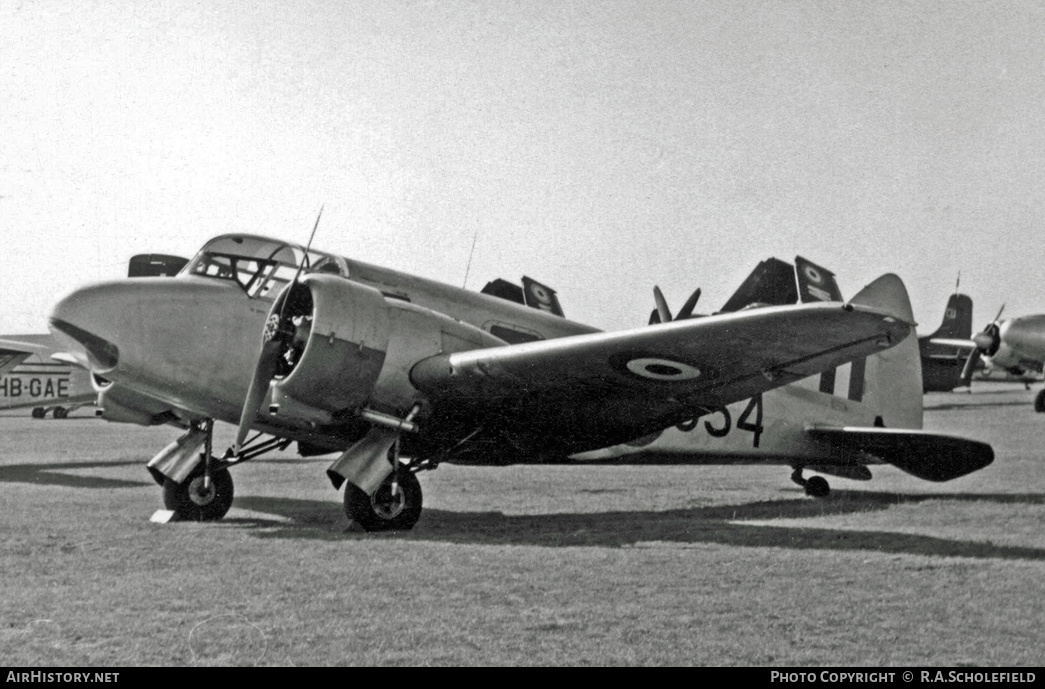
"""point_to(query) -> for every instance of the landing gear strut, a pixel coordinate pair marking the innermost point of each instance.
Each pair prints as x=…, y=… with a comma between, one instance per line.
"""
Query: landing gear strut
x=815, y=486
x=394, y=506
x=206, y=494
x=198, y=499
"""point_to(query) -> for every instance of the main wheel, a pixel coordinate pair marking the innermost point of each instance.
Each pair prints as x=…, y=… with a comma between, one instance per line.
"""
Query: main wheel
x=61, y=413
x=39, y=412
x=384, y=511
x=192, y=501
x=1039, y=402
x=817, y=486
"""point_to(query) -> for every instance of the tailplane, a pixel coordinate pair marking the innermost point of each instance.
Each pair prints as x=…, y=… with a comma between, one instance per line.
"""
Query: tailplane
x=893, y=394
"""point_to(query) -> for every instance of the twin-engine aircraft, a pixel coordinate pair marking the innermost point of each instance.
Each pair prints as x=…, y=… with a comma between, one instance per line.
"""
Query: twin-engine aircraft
x=952, y=357
x=1013, y=345
x=398, y=374
x=36, y=372
x=944, y=352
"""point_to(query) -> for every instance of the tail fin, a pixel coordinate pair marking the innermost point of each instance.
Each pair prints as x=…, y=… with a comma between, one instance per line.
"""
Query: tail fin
x=957, y=319
x=771, y=282
x=892, y=381
x=154, y=265
x=815, y=283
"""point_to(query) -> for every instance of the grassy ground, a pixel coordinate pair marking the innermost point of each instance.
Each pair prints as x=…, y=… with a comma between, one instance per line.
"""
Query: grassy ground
x=526, y=565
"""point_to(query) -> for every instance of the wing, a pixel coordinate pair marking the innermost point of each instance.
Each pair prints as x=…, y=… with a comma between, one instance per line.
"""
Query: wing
x=929, y=456
x=594, y=390
x=14, y=352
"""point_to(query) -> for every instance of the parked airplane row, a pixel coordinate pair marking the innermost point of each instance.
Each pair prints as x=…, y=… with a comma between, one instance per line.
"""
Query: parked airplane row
x=1007, y=350
x=398, y=374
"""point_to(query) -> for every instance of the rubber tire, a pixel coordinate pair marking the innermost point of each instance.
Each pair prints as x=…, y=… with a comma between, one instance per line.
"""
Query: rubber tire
x=61, y=413
x=39, y=412
x=1039, y=402
x=177, y=499
x=818, y=487
x=359, y=507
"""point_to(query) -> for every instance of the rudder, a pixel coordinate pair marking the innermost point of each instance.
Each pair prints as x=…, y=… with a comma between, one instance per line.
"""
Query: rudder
x=957, y=319
x=893, y=378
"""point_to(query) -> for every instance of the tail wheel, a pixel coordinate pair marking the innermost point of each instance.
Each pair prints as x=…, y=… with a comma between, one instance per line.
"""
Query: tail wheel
x=818, y=487
x=193, y=501
x=385, y=510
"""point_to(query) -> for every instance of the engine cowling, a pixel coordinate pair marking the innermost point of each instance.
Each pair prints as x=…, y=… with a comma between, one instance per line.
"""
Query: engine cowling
x=352, y=347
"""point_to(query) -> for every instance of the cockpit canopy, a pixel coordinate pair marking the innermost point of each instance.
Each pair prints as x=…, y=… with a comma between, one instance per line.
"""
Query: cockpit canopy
x=261, y=266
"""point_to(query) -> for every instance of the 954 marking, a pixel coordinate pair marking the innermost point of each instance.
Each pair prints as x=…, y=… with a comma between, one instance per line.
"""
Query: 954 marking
x=724, y=424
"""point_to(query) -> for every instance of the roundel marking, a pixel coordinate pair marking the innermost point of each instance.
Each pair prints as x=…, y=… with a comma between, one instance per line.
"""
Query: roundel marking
x=541, y=294
x=661, y=369
x=813, y=274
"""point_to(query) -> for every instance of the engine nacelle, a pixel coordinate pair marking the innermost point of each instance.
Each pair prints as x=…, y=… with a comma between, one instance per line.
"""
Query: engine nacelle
x=353, y=347
x=120, y=405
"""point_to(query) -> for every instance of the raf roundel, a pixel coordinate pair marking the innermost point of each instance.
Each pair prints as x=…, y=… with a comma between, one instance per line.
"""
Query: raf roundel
x=662, y=369
x=541, y=294
x=813, y=274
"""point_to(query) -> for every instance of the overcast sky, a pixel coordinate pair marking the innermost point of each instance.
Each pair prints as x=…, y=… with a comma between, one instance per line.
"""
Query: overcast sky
x=599, y=146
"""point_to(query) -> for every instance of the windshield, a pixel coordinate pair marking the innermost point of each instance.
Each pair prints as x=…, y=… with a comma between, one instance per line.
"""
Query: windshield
x=262, y=267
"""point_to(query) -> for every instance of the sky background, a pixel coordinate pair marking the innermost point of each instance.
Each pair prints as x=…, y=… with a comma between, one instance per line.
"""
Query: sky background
x=599, y=146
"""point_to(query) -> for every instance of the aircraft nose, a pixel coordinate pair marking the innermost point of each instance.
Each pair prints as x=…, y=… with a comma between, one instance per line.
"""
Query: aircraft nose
x=103, y=319
x=1026, y=336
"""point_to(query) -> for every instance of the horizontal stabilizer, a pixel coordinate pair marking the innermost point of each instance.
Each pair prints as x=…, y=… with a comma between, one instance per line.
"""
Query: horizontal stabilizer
x=929, y=456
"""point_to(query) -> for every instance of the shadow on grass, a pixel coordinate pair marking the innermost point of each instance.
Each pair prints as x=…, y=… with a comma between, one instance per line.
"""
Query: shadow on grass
x=50, y=475
x=973, y=406
x=711, y=525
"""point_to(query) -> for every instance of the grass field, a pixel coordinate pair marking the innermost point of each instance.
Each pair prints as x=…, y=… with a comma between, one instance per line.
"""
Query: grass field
x=526, y=565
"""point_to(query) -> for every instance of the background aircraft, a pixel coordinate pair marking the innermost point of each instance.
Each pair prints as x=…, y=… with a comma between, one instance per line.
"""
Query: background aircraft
x=944, y=352
x=863, y=413
x=35, y=373
x=400, y=373
x=1015, y=345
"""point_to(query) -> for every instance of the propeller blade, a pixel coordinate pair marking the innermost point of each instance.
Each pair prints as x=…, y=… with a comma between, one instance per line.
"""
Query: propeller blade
x=662, y=305
x=970, y=365
x=687, y=309
x=277, y=330
x=999, y=314
x=259, y=386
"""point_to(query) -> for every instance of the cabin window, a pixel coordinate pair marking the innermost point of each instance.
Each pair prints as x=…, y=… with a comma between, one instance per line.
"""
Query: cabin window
x=514, y=335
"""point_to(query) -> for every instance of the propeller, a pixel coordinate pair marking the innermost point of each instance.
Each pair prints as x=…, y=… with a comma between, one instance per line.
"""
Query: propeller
x=662, y=314
x=277, y=339
x=987, y=342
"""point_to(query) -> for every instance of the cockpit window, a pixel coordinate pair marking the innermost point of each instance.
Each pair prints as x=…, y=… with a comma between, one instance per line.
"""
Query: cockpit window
x=262, y=267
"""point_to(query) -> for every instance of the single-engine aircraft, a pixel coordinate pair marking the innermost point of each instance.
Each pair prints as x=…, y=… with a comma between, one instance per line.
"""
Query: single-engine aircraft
x=863, y=413
x=398, y=373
